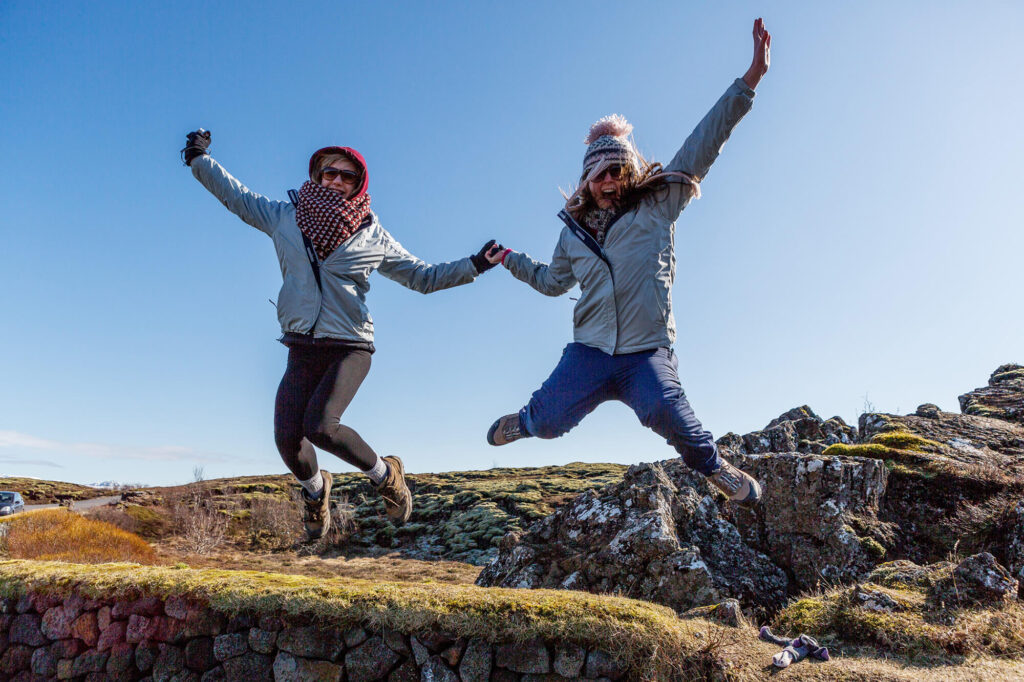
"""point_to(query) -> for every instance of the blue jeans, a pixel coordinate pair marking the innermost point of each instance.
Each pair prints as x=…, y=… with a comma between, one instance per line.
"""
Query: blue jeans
x=647, y=381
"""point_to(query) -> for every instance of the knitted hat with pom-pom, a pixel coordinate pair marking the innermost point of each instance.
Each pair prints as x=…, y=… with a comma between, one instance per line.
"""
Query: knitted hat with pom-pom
x=607, y=143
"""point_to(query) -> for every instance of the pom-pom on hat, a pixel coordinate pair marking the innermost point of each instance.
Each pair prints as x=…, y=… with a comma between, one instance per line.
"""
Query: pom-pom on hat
x=608, y=142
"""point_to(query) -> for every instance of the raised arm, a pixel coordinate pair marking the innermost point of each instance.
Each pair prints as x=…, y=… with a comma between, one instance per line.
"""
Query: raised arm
x=551, y=279
x=255, y=209
x=704, y=144
x=401, y=266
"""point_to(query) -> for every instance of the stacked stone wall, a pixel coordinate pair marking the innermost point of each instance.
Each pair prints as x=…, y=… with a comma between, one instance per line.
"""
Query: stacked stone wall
x=46, y=637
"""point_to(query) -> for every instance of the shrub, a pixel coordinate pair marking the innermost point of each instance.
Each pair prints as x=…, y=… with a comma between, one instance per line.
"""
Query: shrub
x=61, y=535
x=197, y=518
x=274, y=523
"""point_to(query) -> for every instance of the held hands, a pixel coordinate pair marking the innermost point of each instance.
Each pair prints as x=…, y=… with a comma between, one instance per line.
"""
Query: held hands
x=488, y=256
x=196, y=144
x=762, y=55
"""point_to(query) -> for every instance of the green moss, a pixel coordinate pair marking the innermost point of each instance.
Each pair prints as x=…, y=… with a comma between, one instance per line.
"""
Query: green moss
x=872, y=547
x=871, y=450
x=649, y=639
x=904, y=440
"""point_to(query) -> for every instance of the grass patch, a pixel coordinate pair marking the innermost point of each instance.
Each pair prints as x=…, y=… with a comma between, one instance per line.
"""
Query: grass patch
x=61, y=535
x=916, y=628
x=650, y=640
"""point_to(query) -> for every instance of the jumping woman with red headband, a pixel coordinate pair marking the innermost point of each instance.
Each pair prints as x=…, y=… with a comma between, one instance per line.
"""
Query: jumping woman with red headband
x=328, y=241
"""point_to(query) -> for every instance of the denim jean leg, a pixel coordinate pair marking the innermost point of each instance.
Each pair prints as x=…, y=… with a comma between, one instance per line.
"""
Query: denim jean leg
x=649, y=384
x=579, y=383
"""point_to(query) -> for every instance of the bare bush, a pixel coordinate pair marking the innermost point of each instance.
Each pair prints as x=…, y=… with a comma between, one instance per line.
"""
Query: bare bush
x=274, y=523
x=343, y=520
x=200, y=523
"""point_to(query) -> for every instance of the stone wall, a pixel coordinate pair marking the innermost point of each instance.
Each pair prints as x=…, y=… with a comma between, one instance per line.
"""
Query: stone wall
x=44, y=637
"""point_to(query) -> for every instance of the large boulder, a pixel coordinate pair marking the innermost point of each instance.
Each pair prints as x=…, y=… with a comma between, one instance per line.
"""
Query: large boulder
x=658, y=535
x=818, y=517
x=1003, y=398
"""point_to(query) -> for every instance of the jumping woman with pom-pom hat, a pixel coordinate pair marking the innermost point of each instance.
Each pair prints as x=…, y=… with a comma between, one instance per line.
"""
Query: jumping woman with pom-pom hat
x=328, y=242
x=618, y=246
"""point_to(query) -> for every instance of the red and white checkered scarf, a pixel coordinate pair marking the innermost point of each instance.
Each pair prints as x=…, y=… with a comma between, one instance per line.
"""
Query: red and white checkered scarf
x=328, y=218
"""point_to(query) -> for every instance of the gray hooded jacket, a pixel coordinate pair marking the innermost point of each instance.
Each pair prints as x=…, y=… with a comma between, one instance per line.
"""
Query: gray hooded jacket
x=625, y=303
x=340, y=313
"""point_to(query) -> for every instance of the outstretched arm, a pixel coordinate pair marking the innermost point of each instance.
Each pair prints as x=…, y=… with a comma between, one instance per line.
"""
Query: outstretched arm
x=550, y=279
x=255, y=209
x=401, y=266
x=704, y=144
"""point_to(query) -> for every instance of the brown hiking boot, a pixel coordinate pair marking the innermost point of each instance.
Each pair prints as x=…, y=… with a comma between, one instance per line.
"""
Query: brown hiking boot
x=738, y=485
x=506, y=429
x=316, y=514
x=397, y=498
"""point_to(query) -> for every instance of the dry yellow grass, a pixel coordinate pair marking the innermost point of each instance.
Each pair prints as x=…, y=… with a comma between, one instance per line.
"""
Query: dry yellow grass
x=61, y=535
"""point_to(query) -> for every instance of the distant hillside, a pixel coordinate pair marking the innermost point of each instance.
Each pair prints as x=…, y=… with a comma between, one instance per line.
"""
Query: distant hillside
x=36, y=491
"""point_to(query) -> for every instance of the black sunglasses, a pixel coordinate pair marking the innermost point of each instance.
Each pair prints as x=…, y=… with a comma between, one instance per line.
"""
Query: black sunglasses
x=330, y=173
x=614, y=172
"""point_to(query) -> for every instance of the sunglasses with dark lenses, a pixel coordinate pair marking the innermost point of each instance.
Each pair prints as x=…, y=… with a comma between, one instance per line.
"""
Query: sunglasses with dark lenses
x=330, y=173
x=613, y=172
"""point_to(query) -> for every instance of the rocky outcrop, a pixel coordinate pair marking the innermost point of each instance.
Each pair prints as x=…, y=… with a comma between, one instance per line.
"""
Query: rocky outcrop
x=797, y=430
x=838, y=501
x=662, y=534
x=1003, y=398
x=658, y=535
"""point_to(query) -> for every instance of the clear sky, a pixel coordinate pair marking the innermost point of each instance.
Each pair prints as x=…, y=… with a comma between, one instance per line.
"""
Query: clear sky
x=859, y=239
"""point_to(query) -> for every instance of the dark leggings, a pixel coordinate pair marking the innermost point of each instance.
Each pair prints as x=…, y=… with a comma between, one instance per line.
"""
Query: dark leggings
x=317, y=386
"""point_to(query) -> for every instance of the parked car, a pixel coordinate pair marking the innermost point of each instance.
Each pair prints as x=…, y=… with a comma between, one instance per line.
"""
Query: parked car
x=10, y=503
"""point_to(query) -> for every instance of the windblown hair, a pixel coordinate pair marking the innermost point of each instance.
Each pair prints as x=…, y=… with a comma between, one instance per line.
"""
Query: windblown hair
x=637, y=184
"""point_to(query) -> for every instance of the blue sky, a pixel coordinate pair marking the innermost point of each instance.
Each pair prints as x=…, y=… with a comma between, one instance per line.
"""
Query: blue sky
x=859, y=237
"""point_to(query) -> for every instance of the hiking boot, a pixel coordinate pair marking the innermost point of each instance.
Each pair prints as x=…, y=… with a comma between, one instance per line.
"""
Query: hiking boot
x=397, y=498
x=738, y=485
x=316, y=514
x=505, y=430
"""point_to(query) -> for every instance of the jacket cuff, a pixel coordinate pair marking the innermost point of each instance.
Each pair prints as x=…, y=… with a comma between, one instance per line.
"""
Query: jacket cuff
x=741, y=88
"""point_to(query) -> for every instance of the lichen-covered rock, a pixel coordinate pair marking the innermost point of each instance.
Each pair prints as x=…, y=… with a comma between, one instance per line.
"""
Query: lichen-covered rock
x=569, y=660
x=16, y=658
x=92, y=661
x=310, y=642
x=1015, y=545
x=437, y=670
x=978, y=579
x=950, y=478
x=121, y=659
x=476, y=661
x=796, y=430
x=250, y=666
x=371, y=660
x=658, y=535
x=199, y=654
x=288, y=668
x=25, y=629
x=600, y=664
x=818, y=515
x=1003, y=398
x=44, y=663
x=523, y=657
x=56, y=623
x=230, y=645
x=262, y=641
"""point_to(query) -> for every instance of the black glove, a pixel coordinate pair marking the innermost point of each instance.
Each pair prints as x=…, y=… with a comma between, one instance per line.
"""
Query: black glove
x=479, y=259
x=196, y=144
